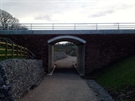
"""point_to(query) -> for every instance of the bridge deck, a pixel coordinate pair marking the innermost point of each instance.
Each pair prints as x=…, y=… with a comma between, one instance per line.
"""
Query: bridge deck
x=67, y=32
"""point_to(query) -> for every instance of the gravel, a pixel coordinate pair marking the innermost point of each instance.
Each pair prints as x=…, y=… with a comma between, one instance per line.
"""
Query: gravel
x=102, y=93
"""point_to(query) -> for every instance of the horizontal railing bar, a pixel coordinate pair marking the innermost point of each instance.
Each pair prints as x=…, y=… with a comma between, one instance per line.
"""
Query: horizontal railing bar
x=2, y=49
x=2, y=54
x=13, y=55
x=84, y=23
x=4, y=43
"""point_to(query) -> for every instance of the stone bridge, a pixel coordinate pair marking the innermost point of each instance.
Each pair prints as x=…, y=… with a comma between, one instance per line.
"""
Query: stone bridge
x=96, y=48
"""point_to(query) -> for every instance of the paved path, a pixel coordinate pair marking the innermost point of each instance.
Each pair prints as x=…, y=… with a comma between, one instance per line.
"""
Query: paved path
x=63, y=85
x=67, y=62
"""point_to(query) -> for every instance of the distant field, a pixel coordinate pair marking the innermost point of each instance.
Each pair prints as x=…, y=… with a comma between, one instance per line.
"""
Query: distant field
x=68, y=48
x=119, y=79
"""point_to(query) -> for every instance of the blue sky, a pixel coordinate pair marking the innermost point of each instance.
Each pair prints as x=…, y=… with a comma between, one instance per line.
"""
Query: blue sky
x=70, y=11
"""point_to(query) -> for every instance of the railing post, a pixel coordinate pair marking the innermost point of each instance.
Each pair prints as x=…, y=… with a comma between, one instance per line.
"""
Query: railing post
x=21, y=50
x=31, y=26
x=6, y=54
x=7, y=27
x=74, y=26
x=118, y=26
x=96, y=26
x=17, y=50
x=52, y=26
x=12, y=50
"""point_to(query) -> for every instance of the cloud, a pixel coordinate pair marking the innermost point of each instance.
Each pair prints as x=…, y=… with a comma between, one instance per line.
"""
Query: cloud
x=67, y=10
x=43, y=17
x=100, y=14
x=110, y=9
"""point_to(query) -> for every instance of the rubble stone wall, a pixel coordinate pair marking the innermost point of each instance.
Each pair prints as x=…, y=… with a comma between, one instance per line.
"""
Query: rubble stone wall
x=18, y=76
x=59, y=55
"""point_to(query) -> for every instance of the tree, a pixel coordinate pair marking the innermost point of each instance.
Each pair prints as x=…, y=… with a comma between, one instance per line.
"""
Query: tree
x=8, y=22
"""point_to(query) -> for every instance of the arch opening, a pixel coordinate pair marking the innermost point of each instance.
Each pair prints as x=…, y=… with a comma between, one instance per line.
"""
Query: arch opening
x=80, y=43
x=65, y=57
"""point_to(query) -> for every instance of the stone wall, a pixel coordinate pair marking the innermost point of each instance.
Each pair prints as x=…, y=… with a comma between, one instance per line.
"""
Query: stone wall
x=101, y=50
x=59, y=55
x=18, y=76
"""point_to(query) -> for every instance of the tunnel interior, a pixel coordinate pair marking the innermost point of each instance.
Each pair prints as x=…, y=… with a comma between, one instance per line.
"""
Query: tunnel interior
x=80, y=43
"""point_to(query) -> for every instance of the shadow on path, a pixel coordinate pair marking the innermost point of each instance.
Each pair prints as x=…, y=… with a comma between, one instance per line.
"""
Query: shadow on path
x=70, y=70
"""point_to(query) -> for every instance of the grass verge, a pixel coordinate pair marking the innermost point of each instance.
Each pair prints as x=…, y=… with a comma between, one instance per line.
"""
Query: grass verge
x=119, y=80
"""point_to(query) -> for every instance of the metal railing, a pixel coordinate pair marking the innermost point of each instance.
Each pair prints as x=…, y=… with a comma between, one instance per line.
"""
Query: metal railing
x=77, y=26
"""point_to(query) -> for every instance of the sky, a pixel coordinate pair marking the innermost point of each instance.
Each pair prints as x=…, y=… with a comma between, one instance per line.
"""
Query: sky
x=70, y=11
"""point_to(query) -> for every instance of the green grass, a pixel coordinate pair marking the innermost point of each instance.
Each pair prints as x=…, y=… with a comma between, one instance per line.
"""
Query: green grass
x=119, y=77
x=4, y=58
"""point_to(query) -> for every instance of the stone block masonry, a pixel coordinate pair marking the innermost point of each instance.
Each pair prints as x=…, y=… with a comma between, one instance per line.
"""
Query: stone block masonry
x=18, y=76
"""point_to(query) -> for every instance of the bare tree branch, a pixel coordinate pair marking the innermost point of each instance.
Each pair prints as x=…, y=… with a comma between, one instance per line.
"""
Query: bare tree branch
x=8, y=22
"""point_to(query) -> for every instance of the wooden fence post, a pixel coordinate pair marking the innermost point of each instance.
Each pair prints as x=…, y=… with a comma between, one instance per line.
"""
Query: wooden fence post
x=12, y=50
x=6, y=50
x=21, y=50
x=17, y=50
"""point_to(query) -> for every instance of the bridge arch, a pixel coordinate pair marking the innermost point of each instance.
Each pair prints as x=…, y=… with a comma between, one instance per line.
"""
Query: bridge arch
x=80, y=52
x=73, y=39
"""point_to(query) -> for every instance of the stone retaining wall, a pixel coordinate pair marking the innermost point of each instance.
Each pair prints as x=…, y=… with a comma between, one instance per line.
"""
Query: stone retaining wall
x=59, y=55
x=18, y=76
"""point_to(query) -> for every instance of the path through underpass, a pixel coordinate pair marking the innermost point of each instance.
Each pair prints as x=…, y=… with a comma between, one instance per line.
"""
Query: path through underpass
x=64, y=85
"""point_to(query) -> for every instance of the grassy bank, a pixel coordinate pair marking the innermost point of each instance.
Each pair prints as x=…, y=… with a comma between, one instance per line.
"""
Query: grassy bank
x=119, y=80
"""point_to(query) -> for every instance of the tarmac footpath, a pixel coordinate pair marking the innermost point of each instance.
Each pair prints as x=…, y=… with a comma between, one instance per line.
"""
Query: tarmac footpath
x=64, y=85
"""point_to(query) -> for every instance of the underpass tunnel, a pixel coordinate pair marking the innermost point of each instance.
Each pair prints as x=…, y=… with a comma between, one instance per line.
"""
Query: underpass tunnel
x=65, y=50
x=65, y=57
x=80, y=43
